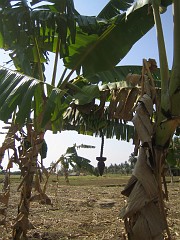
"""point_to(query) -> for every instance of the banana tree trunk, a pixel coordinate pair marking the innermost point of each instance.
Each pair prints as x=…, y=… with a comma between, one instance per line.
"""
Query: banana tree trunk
x=145, y=215
x=28, y=167
x=22, y=224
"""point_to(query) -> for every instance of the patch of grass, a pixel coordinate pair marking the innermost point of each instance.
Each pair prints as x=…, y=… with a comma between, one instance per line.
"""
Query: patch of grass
x=106, y=180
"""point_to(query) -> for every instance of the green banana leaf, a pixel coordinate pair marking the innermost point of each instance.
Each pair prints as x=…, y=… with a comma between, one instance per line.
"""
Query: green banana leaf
x=95, y=53
x=26, y=94
x=29, y=33
x=71, y=157
x=119, y=73
x=16, y=94
x=114, y=7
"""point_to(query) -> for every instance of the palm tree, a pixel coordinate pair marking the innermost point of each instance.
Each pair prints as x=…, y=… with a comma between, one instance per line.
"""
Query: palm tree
x=70, y=103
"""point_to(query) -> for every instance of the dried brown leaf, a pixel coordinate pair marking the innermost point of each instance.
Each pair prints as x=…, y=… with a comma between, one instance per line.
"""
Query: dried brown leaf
x=148, y=103
x=154, y=219
x=113, y=103
x=144, y=174
x=127, y=113
x=142, y=131
x=122, y=95
x=133, y=79
x=140, y=229
x=129, y=187
x=146, y=121
x=136, y=201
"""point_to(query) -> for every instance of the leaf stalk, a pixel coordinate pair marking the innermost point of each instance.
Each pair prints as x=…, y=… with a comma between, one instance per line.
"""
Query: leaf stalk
x=164, y=69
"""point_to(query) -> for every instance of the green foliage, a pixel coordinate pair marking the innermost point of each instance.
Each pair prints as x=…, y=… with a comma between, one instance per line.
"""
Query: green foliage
x=122, y=168
x=16, y=91
x=71, y=158
x=30, y=32
x=114, y=7
x=173, y=157
x=66, y=107
x=117, y=39
x=118, y=75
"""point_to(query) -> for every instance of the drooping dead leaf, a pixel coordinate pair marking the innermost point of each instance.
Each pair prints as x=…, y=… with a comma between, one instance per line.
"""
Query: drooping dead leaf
x=127, y=113
x=140, y=229
x=147, y=87
x=146, y=121
x=152, y=65
x=142, y=131
x=153, y=216
x=147, y=103
x=133, y=79
x=122, y=95
x=132, y=97
x=115, y=96
x=129, y=187
x=144, y=174
x=136, y=142
x=103, y=97
x=137, y=200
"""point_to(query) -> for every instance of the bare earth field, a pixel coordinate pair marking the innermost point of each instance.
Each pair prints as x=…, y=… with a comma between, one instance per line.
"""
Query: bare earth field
x=87, y=208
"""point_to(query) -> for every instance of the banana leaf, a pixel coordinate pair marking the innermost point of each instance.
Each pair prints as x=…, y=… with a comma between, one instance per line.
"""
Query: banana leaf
x=95, y=53
x=114, y=7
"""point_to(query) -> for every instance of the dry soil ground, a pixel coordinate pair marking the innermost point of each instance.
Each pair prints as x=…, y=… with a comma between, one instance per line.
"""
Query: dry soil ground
x=87, y=208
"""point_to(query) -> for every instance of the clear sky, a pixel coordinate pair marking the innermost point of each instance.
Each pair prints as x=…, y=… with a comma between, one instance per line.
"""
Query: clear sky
x=115, y=151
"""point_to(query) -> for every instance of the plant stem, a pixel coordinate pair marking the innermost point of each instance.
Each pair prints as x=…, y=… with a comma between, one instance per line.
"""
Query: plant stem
x=175, y=76
x=164, y=70
x=62, y=77
x=56, y=61
x=41, y=77
x=62, y=86
x=176, y=9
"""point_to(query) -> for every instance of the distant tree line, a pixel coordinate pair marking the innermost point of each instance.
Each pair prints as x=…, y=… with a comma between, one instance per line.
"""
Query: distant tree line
x=122, y=168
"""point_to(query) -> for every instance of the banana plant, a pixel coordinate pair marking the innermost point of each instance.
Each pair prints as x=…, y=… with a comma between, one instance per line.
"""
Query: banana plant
x=71, y=158
x=100, y=43
x=155, y=136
